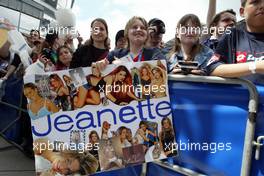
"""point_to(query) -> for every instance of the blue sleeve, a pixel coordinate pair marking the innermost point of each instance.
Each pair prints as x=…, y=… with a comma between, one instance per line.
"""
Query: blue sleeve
x=171, y=62
x=204, y=58
x=168, y=46
x=110, y=56
x=157, y=55
x=118, y=53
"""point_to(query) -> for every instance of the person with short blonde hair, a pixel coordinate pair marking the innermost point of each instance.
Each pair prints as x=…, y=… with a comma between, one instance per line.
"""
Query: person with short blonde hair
x=136, y=33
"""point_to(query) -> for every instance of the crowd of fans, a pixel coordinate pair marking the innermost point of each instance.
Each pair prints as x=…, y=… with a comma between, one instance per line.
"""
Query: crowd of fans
x=230, y=49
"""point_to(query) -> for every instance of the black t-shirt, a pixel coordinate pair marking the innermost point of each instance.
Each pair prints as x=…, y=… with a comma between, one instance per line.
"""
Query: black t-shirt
x=86, y=55
x=238, y=47
x=16, y=61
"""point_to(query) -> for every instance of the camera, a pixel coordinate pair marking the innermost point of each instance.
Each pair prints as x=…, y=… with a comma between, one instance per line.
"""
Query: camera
x=49, y=54
x=188, y=66
x=157, y=26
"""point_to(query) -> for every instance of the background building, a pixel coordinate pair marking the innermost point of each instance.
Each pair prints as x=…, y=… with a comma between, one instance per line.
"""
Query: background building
x=31, y=14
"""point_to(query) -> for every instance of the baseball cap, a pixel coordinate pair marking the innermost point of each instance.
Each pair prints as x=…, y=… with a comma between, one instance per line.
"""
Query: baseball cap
x=159, y=23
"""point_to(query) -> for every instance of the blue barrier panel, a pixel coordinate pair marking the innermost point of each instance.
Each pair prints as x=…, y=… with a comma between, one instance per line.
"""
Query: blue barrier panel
x=8, y=114
x=213, y=114
x=210, y=114
x=129, y=171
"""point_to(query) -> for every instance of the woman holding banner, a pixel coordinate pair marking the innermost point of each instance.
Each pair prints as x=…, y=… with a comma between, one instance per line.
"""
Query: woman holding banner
x=65, y=58
x=38, y=106
x=136, y=33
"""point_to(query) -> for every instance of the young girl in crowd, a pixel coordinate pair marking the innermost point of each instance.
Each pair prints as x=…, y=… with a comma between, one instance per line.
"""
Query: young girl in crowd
x=65, y=58
x=96, y=48
x=187, y=47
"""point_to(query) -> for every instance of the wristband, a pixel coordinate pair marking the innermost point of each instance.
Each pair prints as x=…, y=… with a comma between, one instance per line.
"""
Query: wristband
x=252, y=67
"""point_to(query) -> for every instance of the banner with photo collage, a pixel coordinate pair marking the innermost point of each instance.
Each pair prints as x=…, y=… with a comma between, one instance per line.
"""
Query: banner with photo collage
x=85, y=121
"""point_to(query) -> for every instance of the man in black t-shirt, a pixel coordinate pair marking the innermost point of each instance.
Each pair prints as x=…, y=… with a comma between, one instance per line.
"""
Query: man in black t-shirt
x=241, y=53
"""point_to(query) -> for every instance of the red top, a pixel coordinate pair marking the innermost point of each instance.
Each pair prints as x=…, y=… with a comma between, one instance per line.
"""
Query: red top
x=136, y=58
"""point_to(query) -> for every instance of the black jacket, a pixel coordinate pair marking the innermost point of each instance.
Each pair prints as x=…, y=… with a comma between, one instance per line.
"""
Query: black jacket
x=86, y=55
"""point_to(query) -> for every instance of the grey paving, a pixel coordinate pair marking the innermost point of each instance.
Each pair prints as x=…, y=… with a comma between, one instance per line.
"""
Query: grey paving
x=13, y=162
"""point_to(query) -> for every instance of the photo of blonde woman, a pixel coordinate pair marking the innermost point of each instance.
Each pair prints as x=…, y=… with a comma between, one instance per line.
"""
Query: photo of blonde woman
x=38, y=106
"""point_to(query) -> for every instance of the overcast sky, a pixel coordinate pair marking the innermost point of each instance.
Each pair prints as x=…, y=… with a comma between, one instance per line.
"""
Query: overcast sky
x=118, y=12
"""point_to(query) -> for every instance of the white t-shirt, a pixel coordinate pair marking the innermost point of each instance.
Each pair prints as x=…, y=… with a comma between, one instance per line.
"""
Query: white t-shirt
x=35, y=68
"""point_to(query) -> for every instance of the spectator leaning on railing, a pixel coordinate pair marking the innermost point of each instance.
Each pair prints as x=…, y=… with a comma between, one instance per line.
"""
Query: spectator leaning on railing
x=241, y=52
x=188, y=56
